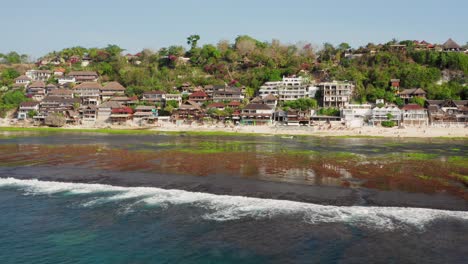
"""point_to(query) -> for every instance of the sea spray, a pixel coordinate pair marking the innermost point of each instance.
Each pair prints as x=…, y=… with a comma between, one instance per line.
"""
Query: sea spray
x=226, y=208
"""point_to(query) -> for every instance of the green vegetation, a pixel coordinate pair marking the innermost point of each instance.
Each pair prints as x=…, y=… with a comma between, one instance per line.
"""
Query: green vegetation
x=419, y=156
x=302, y=104
x=388, y=123
x=250, y=62
x=11, y=100
x=459, y=161
x=329, y=111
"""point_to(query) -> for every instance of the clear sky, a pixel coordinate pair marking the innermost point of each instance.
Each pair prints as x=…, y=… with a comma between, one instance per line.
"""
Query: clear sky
x=36, y=27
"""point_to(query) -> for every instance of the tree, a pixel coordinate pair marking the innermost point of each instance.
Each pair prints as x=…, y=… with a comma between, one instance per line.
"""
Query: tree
x=302, y=104
x=192, y=40
x=114, y=50
x=14, y=98
x=418, y=100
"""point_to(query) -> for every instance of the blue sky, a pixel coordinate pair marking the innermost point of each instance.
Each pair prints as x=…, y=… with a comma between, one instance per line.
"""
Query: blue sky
x=37, y=27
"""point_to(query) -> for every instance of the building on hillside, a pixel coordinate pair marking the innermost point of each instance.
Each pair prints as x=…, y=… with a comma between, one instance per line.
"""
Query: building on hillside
x=25, y=108
x=36, y=90
x=451, y=45
x=50, y=87
x=356, y=115
x=65, y=80
x=386, y=113
x=447, y=112
x=23, y=80
x=395, y=86
x=173, y=97
x=124, y=100
x=228, y=95
x=153, y=97
x=288, y=89
x=217, y=105
x=407, y=94
x=84, y=76
x=39, y=75
x=414, y=115
x=296, y=118
x=336, y=94
x=198, y=97
x=257, y=114
x=112, y=89
x=270, y=100
x=89, y=92
x=62, y=93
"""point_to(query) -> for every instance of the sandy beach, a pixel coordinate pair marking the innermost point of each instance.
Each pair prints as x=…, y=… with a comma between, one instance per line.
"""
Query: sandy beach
x=324, y=130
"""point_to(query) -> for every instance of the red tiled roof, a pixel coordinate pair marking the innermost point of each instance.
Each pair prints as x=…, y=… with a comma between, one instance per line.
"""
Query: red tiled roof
x=114, y=86
x=216, y=105
x=412, y=107
x=88, y=85
x=125, y=110
x=234, y=103
x=198, y=94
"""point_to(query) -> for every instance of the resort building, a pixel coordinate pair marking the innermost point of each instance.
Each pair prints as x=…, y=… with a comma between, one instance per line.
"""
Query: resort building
x=38, y=75
x=61, y=93
x=84, y=76
x=414, y=115
x=407, y=94
x=227, y=95
x=257, y=114
x=23, y=80
x=112, y=89
x=198, y=97
x=451, y=45
x=105, y=110
x=25, y=108
x=386, y=113
x=336, y=94
x=36, y=90
x=356, y=115
x=290, y=88
x=153, y=97
x=446, y=112
x=89, y=92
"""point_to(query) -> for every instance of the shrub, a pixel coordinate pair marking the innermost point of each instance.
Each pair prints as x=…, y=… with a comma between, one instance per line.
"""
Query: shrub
x=388, y=123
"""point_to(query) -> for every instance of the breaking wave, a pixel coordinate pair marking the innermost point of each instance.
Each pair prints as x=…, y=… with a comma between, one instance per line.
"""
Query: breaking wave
x=225, y=208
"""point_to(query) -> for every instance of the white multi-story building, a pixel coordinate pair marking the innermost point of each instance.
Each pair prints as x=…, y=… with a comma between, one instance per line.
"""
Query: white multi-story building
x=355, y=115
x=290, y=88
x=336, y=94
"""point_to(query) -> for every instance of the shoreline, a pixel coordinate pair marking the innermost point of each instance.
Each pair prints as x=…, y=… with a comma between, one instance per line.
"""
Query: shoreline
x=365, y=132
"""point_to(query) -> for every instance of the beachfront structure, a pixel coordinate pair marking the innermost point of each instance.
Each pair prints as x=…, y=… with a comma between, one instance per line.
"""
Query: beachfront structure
x=105, y=110
x=356, y=115
x=414, y=115
x=89, y=113
x=336, y=94
x=121, y=115
x=446, y=112
x=84, y=76
x=36, y=90
x=89, y=92
x=112, y=89
x=145, y=112
x=257, y=114
x=38, y=75
x=25, y=108
x=188, y=110
x=389, y=112
x=288, y=89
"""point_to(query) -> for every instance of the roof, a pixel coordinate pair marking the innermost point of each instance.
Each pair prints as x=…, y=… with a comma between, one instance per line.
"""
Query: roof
x=60, y=100
x=412, y=107
x=51, y=85
x=145, y=107
x=83, y=73
x=37, y=84
x=61, y=92
x=88, y=85
x=450, y=44
x=256, y=100
x=413, y=91
x=189, y=104
x=234, y=103
x=394, y=80
x=23, y=78
x=461, y=102
x=124, y=109
x=269, y=97
x=253, y=106
x=110, y=104
x=114, y=86
x=216, y=105
x=28, y=104
x=199, y=94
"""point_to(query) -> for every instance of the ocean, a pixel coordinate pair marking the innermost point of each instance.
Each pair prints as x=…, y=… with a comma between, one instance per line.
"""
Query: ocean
x=62, y=212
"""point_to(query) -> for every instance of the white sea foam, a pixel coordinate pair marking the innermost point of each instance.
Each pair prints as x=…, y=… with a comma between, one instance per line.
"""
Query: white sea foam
x=224, y=207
